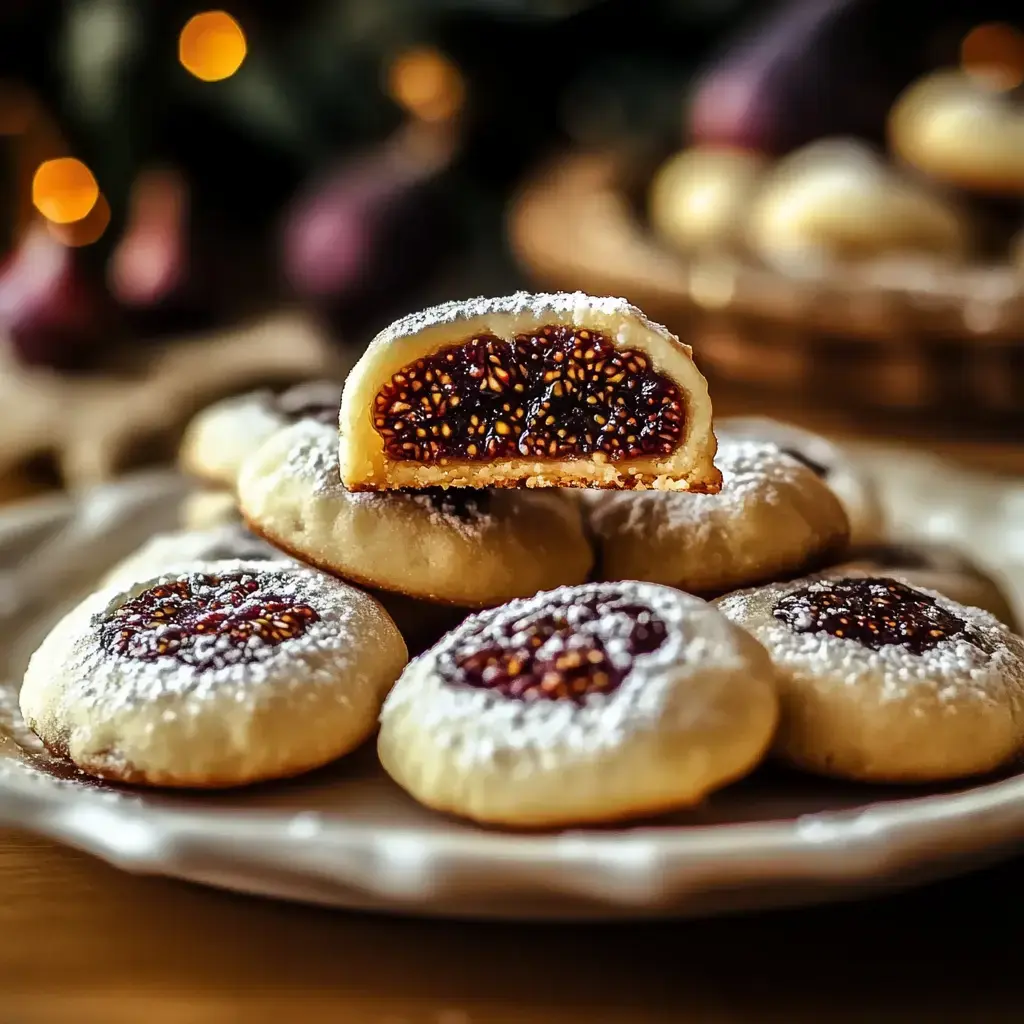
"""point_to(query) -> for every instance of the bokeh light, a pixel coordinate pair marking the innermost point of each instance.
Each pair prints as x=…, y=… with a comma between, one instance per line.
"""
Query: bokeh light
x=212, y=46
x=426, y=84
x=994, y=52
x=85, y=231
x=64, y=190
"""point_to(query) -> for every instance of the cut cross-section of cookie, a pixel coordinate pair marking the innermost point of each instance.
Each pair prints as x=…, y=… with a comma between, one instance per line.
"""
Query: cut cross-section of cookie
x=584, y=704
x=230, y=674
x=881, y=681
x=463, y=547
x=562, y=390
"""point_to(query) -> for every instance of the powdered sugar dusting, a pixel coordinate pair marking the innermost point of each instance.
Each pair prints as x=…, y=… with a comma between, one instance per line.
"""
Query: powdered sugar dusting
x=105, y=682
x=985, y=664
x=477, y=724
x=561, y=306
x=313, y=457
x=753, y=472
x=207, y=621
x=33, y=761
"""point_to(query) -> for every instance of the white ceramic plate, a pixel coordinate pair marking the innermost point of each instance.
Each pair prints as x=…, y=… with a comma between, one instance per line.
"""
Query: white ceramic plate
x=346, y=836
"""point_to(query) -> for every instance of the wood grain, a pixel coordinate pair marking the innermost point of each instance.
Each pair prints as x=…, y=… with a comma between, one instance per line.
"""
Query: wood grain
x=81, y=942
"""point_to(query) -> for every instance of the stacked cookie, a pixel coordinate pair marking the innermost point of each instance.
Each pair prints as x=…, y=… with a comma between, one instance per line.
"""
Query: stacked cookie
x=638, y=612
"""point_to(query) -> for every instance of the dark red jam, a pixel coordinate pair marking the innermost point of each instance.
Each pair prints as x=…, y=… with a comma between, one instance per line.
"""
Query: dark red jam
x=562, y=393
x=567, y=652
x=873, y=611
x=205, y=622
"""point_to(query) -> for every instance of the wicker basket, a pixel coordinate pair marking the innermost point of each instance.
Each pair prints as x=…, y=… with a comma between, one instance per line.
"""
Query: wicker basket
x=890, y=341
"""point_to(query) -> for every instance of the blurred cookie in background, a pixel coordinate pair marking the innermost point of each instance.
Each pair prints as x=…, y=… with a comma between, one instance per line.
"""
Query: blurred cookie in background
x=221, y=437
x=209, y=506
x=699, y=197
x=839, y=200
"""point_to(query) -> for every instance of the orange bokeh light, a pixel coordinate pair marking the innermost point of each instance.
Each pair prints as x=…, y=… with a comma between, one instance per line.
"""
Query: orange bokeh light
x=426, y=84
x=85, y=231
x=64, y=190
x=994, y=52
x=212, y=46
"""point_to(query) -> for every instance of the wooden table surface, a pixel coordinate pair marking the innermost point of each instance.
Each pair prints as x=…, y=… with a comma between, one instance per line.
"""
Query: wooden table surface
x=82, y=942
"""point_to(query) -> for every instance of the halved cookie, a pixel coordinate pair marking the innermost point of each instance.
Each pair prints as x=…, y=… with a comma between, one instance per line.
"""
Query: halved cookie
x=585, y=704
x=883, y=682
x=464, y=547
x=562, y=390
x=227, y=675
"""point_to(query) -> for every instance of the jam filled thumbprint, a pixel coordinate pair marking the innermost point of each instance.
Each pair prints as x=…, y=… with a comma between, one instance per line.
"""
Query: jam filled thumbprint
x=228, y=674
x=593, y=703
x=881, y=681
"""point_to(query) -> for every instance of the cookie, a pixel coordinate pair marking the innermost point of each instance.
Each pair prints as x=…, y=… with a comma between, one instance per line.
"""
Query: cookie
x=958, y=129
x=883, y=682
x=699, y=197
x=561, y=390
x=464, y=547
x=585, y=704
x=933, y=566
x=421, y=623
x=838, y=199
x=209, y=506
x=774, y=517
x=219, y=439
x=854, y=488
x=167, y=552
x=231, y=674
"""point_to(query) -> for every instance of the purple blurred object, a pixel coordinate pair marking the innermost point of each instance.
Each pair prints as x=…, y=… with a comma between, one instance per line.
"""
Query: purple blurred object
x=47, y=308
x=812, y=68
x=372, y=223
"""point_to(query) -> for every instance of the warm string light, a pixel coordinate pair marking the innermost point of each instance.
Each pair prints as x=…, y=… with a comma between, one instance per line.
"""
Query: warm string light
x=64, y=190
x=212, y=46
x=426, y=84
x=994, y=53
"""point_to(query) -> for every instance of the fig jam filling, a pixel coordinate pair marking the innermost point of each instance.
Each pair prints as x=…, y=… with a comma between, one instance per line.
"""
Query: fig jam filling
x=561, y=393
x=873, y=611
x=566, y=653
x=205, y=622
x=314, y=400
